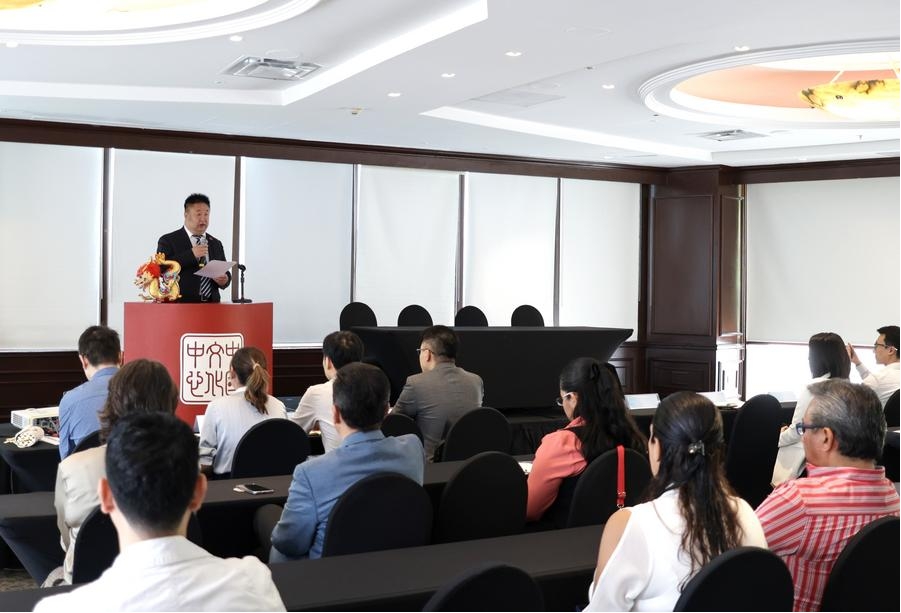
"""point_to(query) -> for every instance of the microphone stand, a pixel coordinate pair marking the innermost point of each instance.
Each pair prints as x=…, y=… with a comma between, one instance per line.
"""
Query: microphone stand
x=242, y=299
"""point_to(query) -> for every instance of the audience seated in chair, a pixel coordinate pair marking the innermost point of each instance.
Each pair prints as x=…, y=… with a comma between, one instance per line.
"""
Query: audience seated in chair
x=808, y=521
x=593, y=401
x=229, y=418
x=887, y=380
x=151, y=487
x=315, y=408
x=360, y=401
x=649, y=551
x=443, y=392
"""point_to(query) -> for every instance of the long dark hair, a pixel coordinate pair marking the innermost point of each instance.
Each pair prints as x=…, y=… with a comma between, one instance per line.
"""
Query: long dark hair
x=690, y=432
x=249, y=364
x=827, y=355
x=602, y=406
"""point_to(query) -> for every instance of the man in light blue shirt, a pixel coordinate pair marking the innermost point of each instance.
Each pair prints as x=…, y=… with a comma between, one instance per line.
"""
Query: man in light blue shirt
x=100, y=354
x=360, y=397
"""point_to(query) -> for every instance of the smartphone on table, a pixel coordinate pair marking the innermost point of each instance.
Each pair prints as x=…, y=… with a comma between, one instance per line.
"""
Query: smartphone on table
x=253, y=488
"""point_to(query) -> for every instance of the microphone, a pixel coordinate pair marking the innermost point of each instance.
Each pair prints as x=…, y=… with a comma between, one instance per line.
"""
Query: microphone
x=242, y=267
x=242, y=299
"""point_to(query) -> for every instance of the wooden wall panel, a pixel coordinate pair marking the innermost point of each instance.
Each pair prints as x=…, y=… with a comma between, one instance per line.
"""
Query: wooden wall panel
x=36, y=379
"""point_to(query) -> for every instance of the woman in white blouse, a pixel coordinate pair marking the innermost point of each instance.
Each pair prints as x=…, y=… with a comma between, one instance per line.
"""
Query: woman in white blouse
x=828, y=359
x=649, y=552
x=229, y=418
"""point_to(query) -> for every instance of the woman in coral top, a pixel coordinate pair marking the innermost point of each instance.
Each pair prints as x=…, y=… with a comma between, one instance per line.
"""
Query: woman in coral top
x=593, y=401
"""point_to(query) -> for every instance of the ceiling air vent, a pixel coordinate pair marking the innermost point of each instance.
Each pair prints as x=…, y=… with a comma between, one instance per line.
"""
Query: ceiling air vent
x=730, y=135
x=265, y=68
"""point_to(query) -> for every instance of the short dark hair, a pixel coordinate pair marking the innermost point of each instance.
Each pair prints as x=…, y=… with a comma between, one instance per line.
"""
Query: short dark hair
x=360, y=391
x=196, y=199
x=441, y=340
x=342, y=348
x=891, y=336
x=827, y=355
x=152, y=468
x=100, y=345
x=141, y=386
x=853, y=412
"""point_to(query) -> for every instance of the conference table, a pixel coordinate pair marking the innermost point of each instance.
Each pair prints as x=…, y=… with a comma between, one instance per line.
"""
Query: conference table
x=26, y=469
x=520, y=366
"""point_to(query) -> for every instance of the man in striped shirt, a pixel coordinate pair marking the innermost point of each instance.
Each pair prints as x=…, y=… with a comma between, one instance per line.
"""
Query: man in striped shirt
x=808, y=521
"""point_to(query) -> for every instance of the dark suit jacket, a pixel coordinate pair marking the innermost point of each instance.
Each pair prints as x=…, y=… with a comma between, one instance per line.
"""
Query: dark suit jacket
x=177, y=246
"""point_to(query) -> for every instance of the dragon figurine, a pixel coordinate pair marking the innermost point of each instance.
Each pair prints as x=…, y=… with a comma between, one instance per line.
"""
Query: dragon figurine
x=158, y=279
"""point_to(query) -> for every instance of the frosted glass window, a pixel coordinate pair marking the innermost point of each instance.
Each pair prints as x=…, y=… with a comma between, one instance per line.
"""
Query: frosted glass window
x=148, y=191
x=406, y=243
x=50, y=206
x=508, y=245
x=297, y=227
x=823, y=256
x=600, y=241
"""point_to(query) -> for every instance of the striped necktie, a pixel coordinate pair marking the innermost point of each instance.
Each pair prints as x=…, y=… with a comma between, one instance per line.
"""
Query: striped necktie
x=206, y=284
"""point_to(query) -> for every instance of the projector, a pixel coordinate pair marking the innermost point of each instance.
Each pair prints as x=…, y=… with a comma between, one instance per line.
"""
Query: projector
x=46, y=418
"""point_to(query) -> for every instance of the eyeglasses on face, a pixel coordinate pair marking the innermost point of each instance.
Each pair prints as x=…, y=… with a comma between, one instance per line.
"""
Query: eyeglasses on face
x=801, y=427
x=421, y=349
x=562, y=398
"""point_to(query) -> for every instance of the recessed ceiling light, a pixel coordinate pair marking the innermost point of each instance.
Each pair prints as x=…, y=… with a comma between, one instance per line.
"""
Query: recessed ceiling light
x=448, y=75
x=12, y=44
x=394, y=94
x=513, y=53
x=236, y=38
x=608, y=86
x=741, y=48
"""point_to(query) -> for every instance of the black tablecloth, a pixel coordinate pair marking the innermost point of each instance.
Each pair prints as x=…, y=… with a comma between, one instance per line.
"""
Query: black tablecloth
x=30, y=469
x=520, y=366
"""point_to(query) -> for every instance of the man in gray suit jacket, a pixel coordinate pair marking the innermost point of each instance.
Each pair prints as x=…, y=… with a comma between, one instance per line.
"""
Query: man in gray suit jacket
x=439, y=395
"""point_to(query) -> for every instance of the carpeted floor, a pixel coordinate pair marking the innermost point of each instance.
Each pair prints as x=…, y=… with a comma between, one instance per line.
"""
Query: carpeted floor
x=15, y=579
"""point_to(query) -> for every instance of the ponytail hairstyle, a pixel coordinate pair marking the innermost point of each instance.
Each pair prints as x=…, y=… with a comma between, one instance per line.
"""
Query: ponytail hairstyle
x=249, y=365
x=690, y=432
x=602, y=406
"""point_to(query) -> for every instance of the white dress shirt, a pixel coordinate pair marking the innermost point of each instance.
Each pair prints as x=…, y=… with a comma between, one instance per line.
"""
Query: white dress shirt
x=790, y=457
x=884, y=381
x=173, y=574
x=316, y=407
x=227, y=420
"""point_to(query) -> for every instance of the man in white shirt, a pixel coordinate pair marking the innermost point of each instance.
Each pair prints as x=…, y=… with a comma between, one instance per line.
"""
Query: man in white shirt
x=315, y=408
x=152, y=486
x=885, y=381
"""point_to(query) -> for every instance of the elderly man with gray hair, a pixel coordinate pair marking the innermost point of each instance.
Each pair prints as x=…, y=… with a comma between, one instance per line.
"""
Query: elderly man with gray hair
x=808, y=522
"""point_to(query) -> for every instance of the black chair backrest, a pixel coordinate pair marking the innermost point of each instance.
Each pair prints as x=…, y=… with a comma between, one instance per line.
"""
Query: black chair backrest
x=526, y=315
x=752, y=448
x=866, y=570
x=89, y=442
x=489, y=587
x=382, y=511
x=356, y=314
x=470, y=316
x=743, y=579
x=478, y=430
x=414, y=315
x=97, y=545
x=892, y=419
x=485, y=498
x=272, y=447
x=397, y=424
x=594, y=498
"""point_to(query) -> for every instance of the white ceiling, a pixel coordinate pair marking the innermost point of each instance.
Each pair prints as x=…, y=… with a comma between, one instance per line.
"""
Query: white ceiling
x=569, y=49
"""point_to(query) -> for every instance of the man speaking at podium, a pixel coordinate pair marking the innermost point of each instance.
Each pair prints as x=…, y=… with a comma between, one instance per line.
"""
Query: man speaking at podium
x=192, y=247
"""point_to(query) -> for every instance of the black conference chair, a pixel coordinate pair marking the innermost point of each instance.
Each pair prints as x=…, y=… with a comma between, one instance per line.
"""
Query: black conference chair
x=383, y=511
x=271, y=447
x=526, y=315
x=89, y=442
x=414, y=315
x=396, y=424
x=743, y=579
x=478, y=430
x=892, y=419
x=489, y=587
x=595, y=492
x=97, y=545
x=865, y=574
x=356, y=314
x=752, y=448
x=470, y=316
x=485, y=498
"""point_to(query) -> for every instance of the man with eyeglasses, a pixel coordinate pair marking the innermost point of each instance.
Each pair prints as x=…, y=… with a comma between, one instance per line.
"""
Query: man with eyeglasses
x=439, y=395
x=808, y=521
x=887, y=380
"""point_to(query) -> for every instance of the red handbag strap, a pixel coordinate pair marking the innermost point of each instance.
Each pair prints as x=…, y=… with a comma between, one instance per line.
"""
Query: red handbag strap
x=620, y=476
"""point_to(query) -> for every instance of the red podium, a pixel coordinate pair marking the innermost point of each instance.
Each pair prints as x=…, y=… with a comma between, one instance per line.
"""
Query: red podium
x=196, y=342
